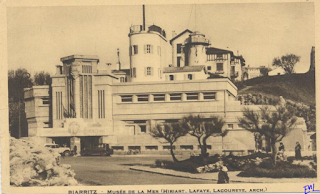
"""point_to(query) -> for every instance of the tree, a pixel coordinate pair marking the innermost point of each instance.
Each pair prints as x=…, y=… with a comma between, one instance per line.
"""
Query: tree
x=171, y=132
x=287, y=62
x=274, y=124
x=42, y=78
x=264, y=71
x=17, y=81
x=202, y=128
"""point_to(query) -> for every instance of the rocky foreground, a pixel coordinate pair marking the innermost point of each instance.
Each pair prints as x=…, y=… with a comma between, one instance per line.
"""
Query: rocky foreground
x=36, y=165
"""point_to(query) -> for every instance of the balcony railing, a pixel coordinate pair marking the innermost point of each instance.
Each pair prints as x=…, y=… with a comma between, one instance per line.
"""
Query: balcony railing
x=197, y=39
x=148, y=28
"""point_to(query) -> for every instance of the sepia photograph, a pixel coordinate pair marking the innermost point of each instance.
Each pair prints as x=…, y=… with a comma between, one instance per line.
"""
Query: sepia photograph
x=148, y=95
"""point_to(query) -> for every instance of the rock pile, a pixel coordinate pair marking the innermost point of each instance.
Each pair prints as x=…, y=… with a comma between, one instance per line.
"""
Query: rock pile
x=36, y=165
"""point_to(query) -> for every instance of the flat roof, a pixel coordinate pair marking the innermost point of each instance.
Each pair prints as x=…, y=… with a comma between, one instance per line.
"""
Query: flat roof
x=88, y=57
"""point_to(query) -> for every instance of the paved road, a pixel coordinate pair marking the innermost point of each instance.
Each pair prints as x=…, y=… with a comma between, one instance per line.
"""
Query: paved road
x=114, y=170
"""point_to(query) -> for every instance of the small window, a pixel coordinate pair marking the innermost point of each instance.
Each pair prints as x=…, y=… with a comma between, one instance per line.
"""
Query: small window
x=190, y=77
x=158, y=97
x=171, y=77
x=134, y=147
x=186, y=147
x=117, y=147
x=143, y=128
x=175, y=97
x=134, y=72
x=151, y=147
x=168, y=147
x=127, y=98
x=178, y=61
x=209, y=68
x=149, y=71
x=192, y=96
x=143, y=98
x=219, y=66
x=209, y=95
x=45, y=101
x=148, y=48
x=159, y=50
x=230, y=126
x=179, y=48
x=122, y=79
x=135, y=49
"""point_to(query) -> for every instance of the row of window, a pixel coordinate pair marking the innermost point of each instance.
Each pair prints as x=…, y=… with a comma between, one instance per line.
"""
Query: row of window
x=148, y=49
x=182, y=147
x=148, y=71
x=172, y=97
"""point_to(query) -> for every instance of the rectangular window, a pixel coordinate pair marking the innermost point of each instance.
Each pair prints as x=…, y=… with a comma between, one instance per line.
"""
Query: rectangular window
x=149, y=71
x=86, y=69
x=192, y=96
x=186, y=147
x=190, y=77
x=209, y=95
x=233, y=69
x=209, y=147
x=171, y=77
x=151, y=147
x=134, y=148
x=134, y=72
x=126, y=98
x=219, y=66
x=159, y=97
x=148, y=48
x=209, y=68
x=159, y=50
x=175, y=97
x=143, y=98
x=179, y=48
x=59, y=106
x=117, y=147
x=178, y=61
x=230, y=126
x=101, y=104
x=45, y=101
x=143, y=128
x=210, y=57
x=135, y=49
x=122, y=79
x=168, y=147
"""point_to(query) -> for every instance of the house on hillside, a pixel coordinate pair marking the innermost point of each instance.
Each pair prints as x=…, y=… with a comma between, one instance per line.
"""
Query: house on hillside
x=277, y=71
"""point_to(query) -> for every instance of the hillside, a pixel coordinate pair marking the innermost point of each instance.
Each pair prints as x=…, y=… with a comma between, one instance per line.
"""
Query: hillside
x=296, y=87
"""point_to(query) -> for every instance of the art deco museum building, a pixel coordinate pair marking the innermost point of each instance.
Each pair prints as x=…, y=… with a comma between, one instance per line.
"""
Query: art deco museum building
x=91, y=103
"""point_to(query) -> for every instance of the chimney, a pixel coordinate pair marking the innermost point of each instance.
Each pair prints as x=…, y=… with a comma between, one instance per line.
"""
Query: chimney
x=58, y=69
x=118, y=53
x=174, y=34
x=144, y=19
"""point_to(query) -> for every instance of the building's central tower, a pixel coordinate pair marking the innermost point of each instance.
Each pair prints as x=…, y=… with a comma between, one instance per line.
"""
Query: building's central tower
x=147, y=52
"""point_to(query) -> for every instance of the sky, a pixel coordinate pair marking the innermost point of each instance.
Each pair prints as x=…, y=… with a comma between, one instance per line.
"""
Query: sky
x=39, y=36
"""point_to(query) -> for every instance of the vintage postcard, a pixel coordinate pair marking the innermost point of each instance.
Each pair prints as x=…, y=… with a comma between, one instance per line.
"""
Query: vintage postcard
x=131, y=97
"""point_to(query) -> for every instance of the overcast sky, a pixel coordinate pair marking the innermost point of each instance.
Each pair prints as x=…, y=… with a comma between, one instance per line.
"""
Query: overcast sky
x=39, y=36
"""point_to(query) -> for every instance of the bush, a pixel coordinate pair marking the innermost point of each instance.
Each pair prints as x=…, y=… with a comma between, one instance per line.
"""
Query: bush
x=283, y=169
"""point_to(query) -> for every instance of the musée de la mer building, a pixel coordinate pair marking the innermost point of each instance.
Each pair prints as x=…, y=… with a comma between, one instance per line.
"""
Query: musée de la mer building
x=90, y=103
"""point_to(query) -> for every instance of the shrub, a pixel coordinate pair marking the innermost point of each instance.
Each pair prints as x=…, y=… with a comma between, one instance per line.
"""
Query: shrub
x=282, y=170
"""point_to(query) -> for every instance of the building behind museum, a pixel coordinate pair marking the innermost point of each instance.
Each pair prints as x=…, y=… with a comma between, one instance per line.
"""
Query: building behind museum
x=88, y=103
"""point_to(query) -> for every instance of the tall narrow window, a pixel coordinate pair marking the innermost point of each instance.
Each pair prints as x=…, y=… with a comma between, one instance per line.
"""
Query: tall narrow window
x=134, y=72
x=159, y=50
x=101, y=104
x=148, y=48
x=122, y=79
x=135, y=49
x=149, y=71
x=178, y=61
x=171, y=77
x=59, y=106
x=179, y=48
